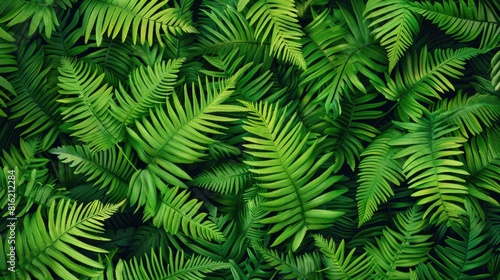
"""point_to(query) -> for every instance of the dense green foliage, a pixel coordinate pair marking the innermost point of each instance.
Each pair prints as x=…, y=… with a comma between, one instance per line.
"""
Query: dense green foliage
x=250, y=139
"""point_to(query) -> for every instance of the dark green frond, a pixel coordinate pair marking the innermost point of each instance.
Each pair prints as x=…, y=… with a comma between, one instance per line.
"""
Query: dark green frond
x=8, y=64
x=378, y=171
x=495, y=71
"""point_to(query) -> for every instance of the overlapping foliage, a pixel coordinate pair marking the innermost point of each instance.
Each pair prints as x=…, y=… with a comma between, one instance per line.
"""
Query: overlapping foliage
x=251, y=139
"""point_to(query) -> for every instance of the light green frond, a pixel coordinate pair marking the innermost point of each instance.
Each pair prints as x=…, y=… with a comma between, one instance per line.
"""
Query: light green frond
x=424, y=78
x=180, y=133
x=301, y=267
x=466, y=253
x=35, y=103
x=464, y=20
x=495, y=71
x=154, y=267
x=277, y=20
x=341, y=266
x=402, y=247
x=149, y=88
x=378, y=171
x=55, y=247
x=395, y=25
x=108, y=169
x=86, y=105
x=224, y=178
x=430, y=168
x=175, y=212
x=284, y=164
x=148, y=19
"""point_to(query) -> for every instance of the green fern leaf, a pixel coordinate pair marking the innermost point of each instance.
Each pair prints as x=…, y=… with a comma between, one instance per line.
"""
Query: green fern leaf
x=87, y=105
x=149, y=87
x=175, y=212
x=277, y=19
x=224, y=178
x=139, y=17
x=340, y=266
x=108, y=169
x=465, y=21
x=8, y=64
x=423, y=78
x=176, y=267
x=495, y=71
x=284, y=167
x=56, y=247
x=377, y=171
x=429, y=168
x=403, y=247
x=395, y=26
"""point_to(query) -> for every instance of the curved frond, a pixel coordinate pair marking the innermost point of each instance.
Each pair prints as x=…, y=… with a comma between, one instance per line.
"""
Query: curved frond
x=149, y=87
x=378, y=171
x=403, y=247
x=175, y=212
x=464, y=20
x=154, y=267
x=277, y=19
x=179, y=134
x=55, y=247
x=395, y=25
x=86, y=105
x=423, y=78
x=342, y=266
x=224, y=178
x=284, y=165
x=429, y=166
x=108, y=169
x=148, y=19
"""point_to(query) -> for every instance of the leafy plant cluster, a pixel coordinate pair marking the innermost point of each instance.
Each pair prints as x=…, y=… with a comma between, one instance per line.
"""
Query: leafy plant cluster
x=251, y=139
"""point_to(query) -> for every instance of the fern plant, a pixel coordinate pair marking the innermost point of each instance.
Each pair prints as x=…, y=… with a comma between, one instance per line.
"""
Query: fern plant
x=249, y=139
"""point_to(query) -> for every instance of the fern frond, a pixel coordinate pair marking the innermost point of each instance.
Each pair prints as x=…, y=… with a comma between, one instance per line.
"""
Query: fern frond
x=87, y=103
x=175, y=212
x=377, y=172
x=403, y=247
x=8, y=64
x=55, y=246
x=149, y=87
x=340, y=266
x=429, y=167
x=277, y=19
x=305, y=266
x=468, y=252
x=395, y=25
x=495, y=71
x=138, y=17
x=423, y=78
x=464, y=20
x=224, y=178
x=176, y=267
x=284, y=166
x=26, y=158
x=179, y=133
x=108, y=169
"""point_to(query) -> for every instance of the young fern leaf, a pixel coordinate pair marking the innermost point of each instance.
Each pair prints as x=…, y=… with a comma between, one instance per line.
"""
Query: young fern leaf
x=149, y=87
x=108, y=169
x=465, y=21
x=301, y=267
x=377, y=172
x=462, y=256
x=56, y=247
x=277, y=19
x=224, y=178
x=179, y=134
x=423, y=77
x=340, y=266
x=87, y=105
x=284, y=166
x=401, y=248
x=429, y=167
x=174, y=212
x=395, y=26
x=139, y=17
x=176, y=267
